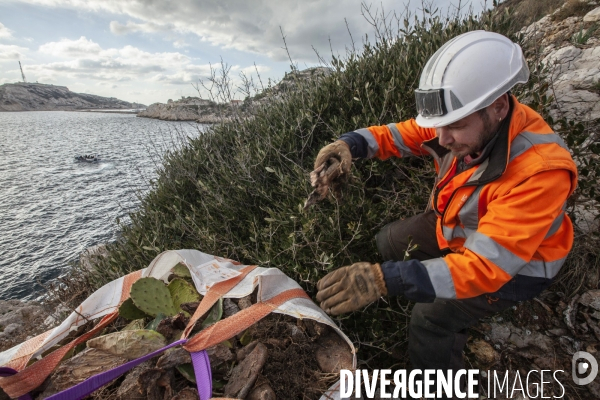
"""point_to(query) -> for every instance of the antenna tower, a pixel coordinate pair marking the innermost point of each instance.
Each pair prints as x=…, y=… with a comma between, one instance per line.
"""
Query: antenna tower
x=22, y=74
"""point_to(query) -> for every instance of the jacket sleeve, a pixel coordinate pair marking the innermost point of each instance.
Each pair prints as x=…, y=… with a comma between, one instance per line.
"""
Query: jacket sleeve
x=507, y=238
x=401, y=140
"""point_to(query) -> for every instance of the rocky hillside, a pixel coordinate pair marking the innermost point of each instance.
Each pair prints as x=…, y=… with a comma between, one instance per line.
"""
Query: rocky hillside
x=568, y=44
x=41, y=97
x=187, y=109
x=207, y=111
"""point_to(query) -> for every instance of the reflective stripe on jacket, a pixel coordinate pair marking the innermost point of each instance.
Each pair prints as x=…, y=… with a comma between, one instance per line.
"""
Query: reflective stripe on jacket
x=504, y=219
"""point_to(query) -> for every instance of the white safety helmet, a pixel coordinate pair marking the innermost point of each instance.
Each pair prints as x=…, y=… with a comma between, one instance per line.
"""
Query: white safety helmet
x=466, y=74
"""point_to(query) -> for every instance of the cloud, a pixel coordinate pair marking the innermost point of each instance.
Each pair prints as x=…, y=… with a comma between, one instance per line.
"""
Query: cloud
x=248, y=26
x=191, y=74
x=5, y=33
x=88, y=60
x=11, y=52
x=130, y=27
x=180, y=43
x=253, y=69
x=81, y=47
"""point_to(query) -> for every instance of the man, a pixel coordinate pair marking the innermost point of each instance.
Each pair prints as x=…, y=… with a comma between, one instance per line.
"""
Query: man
x=495, y=231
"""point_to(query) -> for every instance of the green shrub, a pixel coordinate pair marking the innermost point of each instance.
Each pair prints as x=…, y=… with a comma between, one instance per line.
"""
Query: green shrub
x=238, y=190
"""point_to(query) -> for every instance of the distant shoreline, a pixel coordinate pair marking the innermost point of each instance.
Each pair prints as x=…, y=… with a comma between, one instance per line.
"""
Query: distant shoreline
x=88, y=110
x=112, y=111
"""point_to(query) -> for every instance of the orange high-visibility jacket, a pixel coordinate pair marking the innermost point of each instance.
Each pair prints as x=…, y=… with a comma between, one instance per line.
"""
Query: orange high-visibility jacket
x=504, y=219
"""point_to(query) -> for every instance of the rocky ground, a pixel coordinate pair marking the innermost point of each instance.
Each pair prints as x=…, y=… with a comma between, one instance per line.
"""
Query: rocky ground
x=41, y=97
x=19, y=321
x=542, y=334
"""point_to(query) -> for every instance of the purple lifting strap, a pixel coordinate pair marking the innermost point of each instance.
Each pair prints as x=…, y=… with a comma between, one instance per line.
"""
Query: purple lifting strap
x=200, y=362
x=203, y=374
x=5, y=371
x=97, y=381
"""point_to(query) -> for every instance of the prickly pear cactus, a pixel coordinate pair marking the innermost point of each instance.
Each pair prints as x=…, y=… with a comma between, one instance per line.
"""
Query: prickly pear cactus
x=152, y=297
x=128, y=310
x=182, y=271
x=182, y=292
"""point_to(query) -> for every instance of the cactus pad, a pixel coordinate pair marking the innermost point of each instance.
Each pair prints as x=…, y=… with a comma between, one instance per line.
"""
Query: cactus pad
x=152, y=297
x=181, y=271
x=182, y=292
x=128, y=310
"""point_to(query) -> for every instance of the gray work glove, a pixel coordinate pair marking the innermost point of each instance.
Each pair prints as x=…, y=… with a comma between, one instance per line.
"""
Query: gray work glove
x=351, y=288
x=332, y=168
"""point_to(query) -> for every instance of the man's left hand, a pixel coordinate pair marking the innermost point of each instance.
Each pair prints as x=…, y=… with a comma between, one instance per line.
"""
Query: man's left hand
x=351, y=288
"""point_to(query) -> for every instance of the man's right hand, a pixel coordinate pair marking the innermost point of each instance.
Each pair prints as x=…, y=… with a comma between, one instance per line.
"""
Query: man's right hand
x=331, y=169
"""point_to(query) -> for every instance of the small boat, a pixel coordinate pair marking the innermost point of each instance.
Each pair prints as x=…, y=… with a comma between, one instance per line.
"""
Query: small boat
x=88, y=157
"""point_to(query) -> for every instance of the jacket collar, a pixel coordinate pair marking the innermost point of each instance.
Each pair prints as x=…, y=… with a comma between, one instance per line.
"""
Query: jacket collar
x=498, y=158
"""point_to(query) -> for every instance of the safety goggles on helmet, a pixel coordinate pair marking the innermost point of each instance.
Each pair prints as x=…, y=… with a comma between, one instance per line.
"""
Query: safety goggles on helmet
x=430, y=103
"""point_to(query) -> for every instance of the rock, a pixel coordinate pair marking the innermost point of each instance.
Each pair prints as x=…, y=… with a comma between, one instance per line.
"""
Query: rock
x=573, y=67
x=167, y=329
x=244, y=302
x=157, y=383
x=90, y=256
x=244, y=375
x=219, y=354
x=315, y=328
x=166, y=381
x=244, y=351
x=558, y=332
x=592, y=16
x=333, y=353
x=16, y=311
x=262, y=392
x=187, y=393
x=185, y=109
x=574, y=72
x=594, y=388
x=129, y=344
x=484, y=352
x=229, y=308
x=190, y=308
x=569, y=345
x=50, y=321
x=173, y=357
x=209, y=112
x=129, y=388
x=591, y=298
x=77, y=369
x=11, y=328
x=148, y=383
x=523, y=339
x=295, y=332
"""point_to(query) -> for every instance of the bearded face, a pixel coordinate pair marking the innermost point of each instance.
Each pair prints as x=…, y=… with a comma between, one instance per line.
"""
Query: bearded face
x=469, y=135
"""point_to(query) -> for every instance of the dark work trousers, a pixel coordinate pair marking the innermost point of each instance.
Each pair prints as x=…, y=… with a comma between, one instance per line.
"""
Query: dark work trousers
x=438, y=331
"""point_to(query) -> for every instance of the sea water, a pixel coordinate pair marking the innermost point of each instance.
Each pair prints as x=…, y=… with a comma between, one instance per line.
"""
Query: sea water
x=53, y=207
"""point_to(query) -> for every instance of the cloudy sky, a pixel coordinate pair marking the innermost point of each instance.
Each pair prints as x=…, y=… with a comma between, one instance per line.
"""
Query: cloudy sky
x=152, y=50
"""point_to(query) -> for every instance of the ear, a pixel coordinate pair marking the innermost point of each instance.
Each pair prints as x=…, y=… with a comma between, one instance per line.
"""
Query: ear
x=500, y=107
